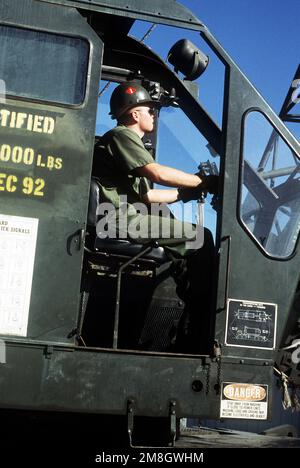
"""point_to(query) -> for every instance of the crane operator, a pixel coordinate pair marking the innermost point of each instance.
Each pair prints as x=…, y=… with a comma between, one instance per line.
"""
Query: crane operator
x=127, y=171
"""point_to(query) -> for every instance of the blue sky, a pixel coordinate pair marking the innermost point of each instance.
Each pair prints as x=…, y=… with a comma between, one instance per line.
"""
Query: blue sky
x=262, y=37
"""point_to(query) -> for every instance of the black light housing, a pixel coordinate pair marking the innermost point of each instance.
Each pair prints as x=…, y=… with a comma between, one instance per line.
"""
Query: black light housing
x=188, y=59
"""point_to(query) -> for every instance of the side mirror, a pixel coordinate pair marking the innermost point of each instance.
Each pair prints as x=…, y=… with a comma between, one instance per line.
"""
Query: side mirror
x=188, y=59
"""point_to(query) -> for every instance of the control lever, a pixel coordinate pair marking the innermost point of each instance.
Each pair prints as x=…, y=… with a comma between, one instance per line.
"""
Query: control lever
x=206, y=168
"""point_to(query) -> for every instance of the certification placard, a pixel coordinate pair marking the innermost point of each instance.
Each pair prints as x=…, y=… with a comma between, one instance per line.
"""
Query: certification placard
x=251, y=324
x=18, y=237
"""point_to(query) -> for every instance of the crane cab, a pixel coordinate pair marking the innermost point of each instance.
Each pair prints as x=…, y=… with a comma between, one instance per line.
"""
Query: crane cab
x=97, y=316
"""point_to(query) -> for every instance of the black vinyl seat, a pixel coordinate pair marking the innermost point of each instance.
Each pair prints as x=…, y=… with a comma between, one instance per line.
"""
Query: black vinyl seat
x=149, y=294
x=116, y=247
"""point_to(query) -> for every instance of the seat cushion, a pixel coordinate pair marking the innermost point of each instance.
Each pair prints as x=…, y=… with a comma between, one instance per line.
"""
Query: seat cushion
x=129, y=249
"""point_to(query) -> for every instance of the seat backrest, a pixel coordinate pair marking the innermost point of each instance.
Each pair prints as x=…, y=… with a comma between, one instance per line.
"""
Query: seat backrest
x=116, y=246
x=94, y=202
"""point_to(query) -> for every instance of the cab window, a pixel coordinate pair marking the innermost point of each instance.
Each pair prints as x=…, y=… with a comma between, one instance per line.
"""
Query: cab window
x=270, y=198
x=43, y=66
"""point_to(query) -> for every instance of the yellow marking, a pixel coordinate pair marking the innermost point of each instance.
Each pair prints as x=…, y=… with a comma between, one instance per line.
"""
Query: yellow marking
x=11, y=180
x=28, y=157
x=58, y=163
x=5, y=153
x=30, y=122
x=30, y=186
x=27, y=185
x=33, y=187
x=17, y=155
x=40, y=184
x=7, y=183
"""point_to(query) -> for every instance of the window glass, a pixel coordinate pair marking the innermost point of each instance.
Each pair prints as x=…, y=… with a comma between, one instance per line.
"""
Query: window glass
x=43, y=66
x=104, y=120
x=270, y=202
x=182, y=146
x=210, y=83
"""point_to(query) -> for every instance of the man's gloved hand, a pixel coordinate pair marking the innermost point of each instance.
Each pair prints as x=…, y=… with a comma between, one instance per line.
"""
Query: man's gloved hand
x=209, y=184
x=191, y=193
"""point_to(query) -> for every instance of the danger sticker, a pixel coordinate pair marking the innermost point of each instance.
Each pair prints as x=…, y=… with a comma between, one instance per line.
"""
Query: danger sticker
x=244, y=401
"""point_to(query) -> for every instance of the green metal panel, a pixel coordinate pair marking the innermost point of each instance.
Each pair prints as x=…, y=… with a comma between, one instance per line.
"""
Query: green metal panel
x=149, y=10
x=98, y=381
x=62, y=204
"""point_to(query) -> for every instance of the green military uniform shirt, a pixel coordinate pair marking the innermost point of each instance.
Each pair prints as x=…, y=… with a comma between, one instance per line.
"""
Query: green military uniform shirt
x=118, y=153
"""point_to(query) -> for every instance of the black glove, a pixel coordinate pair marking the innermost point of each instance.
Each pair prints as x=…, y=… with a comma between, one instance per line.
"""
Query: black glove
x=190, y=193
x=216, y=203
x=209, y=184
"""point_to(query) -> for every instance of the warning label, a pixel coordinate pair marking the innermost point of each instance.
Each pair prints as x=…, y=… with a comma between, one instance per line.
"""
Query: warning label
x=250, y=324
x=244, y=401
